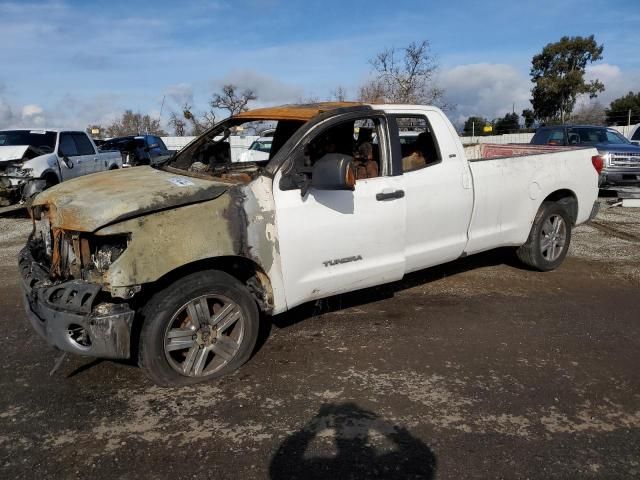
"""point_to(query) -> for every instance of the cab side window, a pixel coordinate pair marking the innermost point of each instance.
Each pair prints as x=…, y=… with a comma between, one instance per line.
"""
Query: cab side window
x=417, y=143
x=358, y=140
x=67, y=145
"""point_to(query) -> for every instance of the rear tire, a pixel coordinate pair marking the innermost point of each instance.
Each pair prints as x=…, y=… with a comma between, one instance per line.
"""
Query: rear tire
x=202, y=326
x=549, y=238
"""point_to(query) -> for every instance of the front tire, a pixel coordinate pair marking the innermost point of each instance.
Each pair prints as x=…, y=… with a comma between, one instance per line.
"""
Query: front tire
x=202, y=326
x=549, y=238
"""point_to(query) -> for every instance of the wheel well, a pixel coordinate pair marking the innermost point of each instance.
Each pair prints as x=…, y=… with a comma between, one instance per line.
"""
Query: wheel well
x=113, y=167
x=246, y=271
x=51, y=178
x=568, y=200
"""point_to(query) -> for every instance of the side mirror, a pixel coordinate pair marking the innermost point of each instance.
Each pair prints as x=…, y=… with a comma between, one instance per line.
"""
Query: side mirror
x=333, y=172
x=67, y=161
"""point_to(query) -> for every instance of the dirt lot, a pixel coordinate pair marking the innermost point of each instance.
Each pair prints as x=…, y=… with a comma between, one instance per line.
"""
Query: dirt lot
x=477, y=369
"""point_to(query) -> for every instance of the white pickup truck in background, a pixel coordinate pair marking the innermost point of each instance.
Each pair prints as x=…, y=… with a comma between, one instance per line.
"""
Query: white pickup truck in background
x=352, y=195
x=32, y=160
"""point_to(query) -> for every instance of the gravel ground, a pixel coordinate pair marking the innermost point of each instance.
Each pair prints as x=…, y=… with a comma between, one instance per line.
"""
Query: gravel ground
x=475, y=369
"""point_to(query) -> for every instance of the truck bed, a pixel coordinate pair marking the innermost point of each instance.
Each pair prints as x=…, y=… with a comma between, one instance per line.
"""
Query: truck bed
x=489, y=151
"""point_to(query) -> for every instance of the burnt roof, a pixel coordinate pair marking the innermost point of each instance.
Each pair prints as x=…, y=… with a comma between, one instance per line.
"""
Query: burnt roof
x=303, y=112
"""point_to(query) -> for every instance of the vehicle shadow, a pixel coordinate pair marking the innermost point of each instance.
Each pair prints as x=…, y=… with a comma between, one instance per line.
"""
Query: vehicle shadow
x=348, y=442
x=502, y=256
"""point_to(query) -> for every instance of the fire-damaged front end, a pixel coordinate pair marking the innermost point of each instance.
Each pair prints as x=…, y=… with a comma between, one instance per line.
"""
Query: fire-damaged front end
x=97, y=242
x=65, y=297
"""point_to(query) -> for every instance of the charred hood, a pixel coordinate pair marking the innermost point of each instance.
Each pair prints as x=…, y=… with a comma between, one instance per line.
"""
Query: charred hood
x=90, y=202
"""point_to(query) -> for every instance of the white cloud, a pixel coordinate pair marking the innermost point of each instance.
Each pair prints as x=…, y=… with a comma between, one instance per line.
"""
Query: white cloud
x=268, y=89
x=31, y=110
x=485, y=89
x=180, y=93
x=617, y=82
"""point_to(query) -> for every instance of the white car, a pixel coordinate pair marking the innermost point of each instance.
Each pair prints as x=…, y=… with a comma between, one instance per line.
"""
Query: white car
x=32, y=160
x=258, y=151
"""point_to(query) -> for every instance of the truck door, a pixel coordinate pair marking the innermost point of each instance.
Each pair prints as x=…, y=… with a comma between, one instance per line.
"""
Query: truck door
x=87, y=155
x=67, y=148
x=438, y=188
x=332, y=241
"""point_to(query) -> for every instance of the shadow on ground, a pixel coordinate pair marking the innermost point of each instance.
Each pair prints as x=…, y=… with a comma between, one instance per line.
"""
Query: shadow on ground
x=346, y=441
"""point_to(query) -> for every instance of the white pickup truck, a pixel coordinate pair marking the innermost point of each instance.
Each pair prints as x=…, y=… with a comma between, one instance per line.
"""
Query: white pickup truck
x=173, y=263
x=32, y=160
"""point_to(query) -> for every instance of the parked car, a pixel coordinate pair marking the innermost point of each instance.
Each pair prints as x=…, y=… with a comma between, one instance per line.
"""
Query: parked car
x=32, y=160
x=139, y=149
x=258, y=151
x=620, y=157
x=634, y=135
x=175, y=262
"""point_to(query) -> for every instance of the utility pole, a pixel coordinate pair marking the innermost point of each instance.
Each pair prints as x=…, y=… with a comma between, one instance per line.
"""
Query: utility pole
x=161, y=107
x=629, y=118
x=473, y=131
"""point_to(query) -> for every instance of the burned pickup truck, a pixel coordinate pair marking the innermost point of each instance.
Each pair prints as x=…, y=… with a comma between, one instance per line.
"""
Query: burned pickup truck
x=33, y=160
x=172, y=264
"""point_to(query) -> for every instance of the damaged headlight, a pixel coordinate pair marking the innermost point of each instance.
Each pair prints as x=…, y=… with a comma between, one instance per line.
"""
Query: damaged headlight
x=106, y=250
x=16, y=170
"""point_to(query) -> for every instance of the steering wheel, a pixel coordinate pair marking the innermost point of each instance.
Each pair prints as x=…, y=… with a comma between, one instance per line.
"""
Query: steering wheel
x=45, y=148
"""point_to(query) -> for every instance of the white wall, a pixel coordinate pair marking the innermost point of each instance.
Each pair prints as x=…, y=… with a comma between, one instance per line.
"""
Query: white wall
x=239, y=143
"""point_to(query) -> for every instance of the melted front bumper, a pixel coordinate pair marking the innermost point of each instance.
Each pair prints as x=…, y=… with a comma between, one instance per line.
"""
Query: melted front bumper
x=66, y=314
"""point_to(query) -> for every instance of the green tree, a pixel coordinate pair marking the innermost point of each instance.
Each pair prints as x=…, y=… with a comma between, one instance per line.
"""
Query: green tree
x=510, y=123
x=529, y=118
x=475, y=126
x=558, y=76
x=618, y=111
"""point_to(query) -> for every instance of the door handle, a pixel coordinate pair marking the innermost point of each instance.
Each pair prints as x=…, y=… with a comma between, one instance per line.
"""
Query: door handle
x=382, y=196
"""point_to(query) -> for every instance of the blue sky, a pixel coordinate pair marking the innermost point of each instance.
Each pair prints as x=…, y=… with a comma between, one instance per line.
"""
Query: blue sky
x=70, y=62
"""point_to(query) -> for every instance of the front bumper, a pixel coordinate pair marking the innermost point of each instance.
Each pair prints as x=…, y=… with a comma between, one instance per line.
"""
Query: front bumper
x=64, y=314
x=610, y=177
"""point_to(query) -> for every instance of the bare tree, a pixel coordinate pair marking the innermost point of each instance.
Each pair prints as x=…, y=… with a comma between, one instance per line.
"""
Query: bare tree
x=404, y=75
x=199, y=123
x=232, y=101
x=339, y=94
x=591, y=114
x=134, y=124
x=308, y=99
x=178, y=124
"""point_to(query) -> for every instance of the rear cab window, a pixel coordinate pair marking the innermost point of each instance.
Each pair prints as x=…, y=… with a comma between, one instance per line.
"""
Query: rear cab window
x=550, y=136
x=418, y=144
x=83, y=144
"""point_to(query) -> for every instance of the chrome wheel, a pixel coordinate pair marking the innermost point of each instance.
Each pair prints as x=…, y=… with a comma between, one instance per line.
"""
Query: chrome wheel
x=553, y=237
x=204, y=335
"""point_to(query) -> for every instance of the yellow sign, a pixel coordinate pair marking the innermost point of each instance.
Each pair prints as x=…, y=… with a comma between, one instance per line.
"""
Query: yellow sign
x=95, y=131
x=487, y=129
